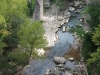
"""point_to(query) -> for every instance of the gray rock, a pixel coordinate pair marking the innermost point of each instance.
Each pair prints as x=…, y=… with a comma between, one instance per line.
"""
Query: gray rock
x=70, y=3
x=66, y=13
x=71, y=8
x=57, y=71
x=60, y=18
x=63, y=28
x=8, y=72
x=47, y=72
x=59, y=60
x=60, y=65
x=76, y=3
x=68, y=73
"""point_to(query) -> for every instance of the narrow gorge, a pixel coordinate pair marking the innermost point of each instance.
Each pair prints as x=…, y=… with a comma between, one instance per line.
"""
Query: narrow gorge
x=63, y=57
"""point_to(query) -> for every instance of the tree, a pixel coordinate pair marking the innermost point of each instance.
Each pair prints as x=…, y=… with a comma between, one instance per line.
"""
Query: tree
x=31, y=4
x=92, y=48
x=95, y=57
x=18, y=35
x=31, y=36
x=12, y=13
x=93, y=10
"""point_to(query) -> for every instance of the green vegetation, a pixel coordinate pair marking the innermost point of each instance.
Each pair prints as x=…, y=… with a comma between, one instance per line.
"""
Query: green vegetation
x=19, y=36
x=79, y=31
x=31, y=5
x=61, y=4
x=52, y=2
x=94, y=11
x=91, y=39
x=93, y=47
x=91, y=43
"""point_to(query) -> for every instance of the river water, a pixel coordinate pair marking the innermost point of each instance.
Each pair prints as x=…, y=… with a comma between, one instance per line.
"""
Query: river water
x=39, y=67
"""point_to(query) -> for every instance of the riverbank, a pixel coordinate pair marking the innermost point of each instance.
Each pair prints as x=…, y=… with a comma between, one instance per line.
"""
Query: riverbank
x=53, y=20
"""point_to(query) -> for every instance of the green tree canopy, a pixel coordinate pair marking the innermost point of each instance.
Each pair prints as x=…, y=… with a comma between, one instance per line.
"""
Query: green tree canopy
x=19, y=36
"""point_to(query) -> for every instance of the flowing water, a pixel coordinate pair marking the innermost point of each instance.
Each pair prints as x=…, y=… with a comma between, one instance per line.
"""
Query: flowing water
x=39, y=67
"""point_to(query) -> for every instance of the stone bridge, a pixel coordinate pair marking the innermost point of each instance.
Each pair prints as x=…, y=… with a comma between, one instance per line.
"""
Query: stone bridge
x=38, y=11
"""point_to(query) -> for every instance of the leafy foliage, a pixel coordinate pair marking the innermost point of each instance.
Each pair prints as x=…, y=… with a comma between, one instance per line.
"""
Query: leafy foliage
x=95, y=57
x=31, y=36
x=79, y=30
x=94, y=11
x=31, y=4
x=88, y=46
x=19, y=36
x=96, y=35
x=93, y=40
x=61, y=4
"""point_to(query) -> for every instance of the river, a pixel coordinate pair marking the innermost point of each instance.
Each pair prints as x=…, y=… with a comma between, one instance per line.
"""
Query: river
x=39, y=67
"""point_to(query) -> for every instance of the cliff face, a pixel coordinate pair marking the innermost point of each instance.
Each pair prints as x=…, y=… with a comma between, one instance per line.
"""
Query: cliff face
x=38, y=11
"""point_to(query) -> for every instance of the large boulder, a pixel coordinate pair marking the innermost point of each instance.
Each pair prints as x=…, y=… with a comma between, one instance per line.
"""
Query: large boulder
x=55, y=71
x=59, y=60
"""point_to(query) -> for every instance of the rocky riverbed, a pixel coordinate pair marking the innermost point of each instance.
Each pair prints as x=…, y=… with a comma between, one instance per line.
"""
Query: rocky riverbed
x=63, y=58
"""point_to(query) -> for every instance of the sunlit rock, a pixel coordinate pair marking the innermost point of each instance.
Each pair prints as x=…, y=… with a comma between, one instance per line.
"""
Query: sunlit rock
x=47, y=72
x=81, y=19
x=59, y=60
x=40, y=52
x=28, y=66
x=71, y=8
x=71, y=59
x=63, y=28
